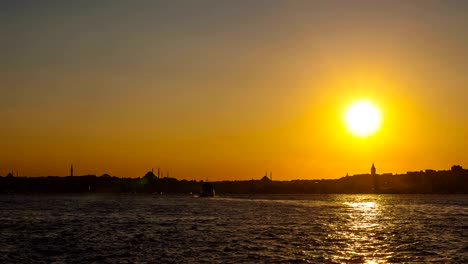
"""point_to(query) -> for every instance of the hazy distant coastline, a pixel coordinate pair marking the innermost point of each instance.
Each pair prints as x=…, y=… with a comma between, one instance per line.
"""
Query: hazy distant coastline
x=454, y=180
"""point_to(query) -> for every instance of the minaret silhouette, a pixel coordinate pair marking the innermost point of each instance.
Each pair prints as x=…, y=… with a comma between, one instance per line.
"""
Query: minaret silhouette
x=373, y=170
x=71, y=170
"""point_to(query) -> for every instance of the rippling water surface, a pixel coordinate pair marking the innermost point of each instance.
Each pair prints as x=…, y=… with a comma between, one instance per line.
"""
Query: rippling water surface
x=259, y=229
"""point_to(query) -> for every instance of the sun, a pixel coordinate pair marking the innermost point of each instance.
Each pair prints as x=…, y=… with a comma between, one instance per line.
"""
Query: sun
x=362, y=118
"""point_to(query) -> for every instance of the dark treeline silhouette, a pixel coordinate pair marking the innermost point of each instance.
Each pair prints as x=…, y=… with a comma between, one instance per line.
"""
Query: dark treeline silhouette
x=428, y=181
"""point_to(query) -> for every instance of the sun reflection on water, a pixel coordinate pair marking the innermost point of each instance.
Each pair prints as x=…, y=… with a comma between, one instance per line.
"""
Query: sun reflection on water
x=362, y=205
x=361, y=237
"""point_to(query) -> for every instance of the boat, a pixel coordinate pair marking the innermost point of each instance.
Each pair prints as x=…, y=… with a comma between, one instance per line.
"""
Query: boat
x=207, y=190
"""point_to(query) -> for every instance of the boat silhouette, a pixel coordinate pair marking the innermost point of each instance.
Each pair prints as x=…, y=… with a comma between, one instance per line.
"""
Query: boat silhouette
x=207, y=190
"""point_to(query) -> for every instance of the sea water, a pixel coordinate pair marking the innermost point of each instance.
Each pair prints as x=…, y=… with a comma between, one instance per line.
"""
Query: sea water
x=243, y=229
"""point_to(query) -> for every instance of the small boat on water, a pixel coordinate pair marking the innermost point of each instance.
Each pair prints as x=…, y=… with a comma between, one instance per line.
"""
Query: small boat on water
x=207, y=190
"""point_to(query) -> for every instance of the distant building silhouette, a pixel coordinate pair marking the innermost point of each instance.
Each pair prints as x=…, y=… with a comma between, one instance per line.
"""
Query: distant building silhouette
x=265, y=178
x=457, y=168
x=375, y=178
x=150, y=175
x=71, y=170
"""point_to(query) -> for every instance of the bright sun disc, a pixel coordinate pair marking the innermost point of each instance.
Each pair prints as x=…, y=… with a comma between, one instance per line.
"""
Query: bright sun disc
x=362, y=118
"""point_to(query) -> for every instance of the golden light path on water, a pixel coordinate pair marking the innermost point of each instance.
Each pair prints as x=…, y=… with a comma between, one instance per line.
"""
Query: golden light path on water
x=363, y=216
x=360, y=232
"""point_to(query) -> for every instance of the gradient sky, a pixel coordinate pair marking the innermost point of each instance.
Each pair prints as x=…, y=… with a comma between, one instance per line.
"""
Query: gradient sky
x=228, y=89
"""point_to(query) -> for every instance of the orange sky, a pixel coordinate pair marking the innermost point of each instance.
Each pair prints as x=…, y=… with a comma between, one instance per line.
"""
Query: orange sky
x=224, y=90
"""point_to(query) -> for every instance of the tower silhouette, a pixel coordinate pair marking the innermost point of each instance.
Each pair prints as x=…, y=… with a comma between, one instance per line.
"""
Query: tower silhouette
x=71, y=170
x=375, y=178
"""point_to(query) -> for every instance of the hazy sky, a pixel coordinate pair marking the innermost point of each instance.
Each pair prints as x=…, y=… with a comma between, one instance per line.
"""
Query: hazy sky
x=228, y=89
